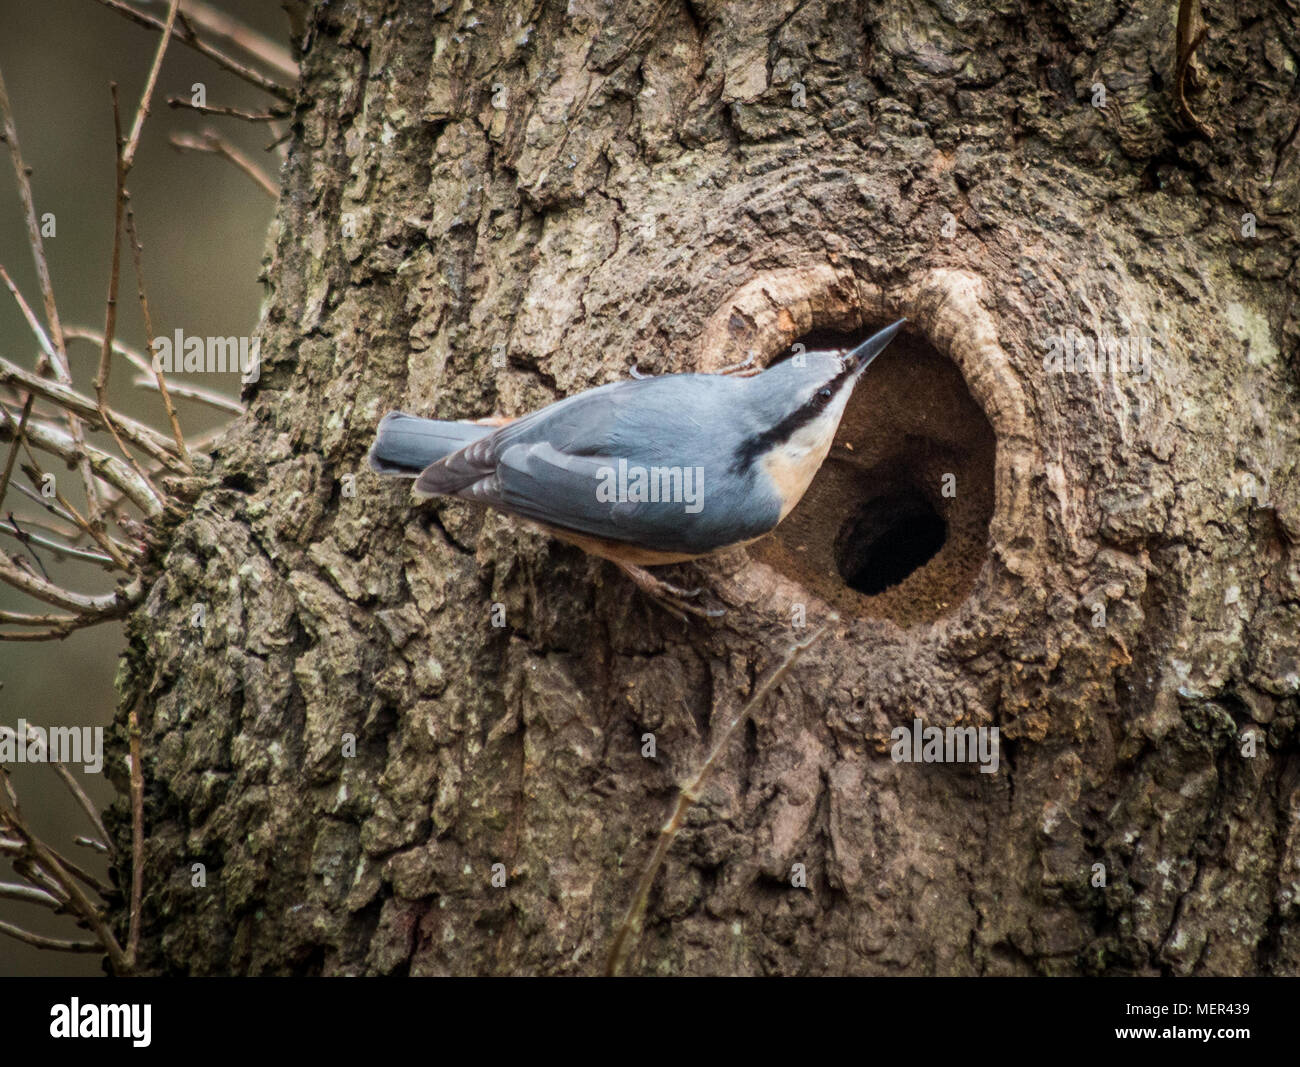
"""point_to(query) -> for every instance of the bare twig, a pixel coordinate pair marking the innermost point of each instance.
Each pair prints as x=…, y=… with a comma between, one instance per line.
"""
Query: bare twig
x=629, y=930
x=110, y=469
x=197, y=393
x=211, y=142
x=84, y=801
x=229, y=112
x=54, y=943
x=30, y=398
x=57, y=528
x=22, y=618
x=62, y=872
x=96, y=533
x=222, y=26
x=137, y=254
x=29, y=894
x=142, y=112
x=53, y=346
x=19, y=436
x=187, y=36
x=137, y=839
x=125, y=158
x=27, y=541
x=30, y=316
x=60, y=512
x=140, y=435
x=97, y=608
x=57, y=626
x=10, y=526
x=110, y=312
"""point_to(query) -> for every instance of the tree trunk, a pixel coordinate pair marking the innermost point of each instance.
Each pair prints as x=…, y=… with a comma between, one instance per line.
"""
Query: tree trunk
x=490, y=207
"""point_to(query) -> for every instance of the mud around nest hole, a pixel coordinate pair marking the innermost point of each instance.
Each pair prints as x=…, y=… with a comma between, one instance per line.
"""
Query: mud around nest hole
x=895, y=525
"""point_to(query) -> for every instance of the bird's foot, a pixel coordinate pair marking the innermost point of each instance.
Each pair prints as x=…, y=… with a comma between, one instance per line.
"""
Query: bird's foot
x=672, y=598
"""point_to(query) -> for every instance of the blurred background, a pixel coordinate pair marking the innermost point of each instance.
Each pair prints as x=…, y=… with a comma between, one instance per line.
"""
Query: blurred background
x=203, y=226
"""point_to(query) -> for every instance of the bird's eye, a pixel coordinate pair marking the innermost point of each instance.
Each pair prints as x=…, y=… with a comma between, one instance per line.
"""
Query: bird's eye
x=823, y=394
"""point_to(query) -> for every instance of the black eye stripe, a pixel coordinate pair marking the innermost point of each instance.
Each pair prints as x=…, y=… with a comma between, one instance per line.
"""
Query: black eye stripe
x=754, y=447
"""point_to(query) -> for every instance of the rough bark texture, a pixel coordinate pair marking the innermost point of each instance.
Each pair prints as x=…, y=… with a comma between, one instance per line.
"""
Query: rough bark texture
x=492, y=206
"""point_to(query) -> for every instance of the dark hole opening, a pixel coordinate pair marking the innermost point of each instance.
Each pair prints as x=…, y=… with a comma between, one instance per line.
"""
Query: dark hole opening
x=888, y=539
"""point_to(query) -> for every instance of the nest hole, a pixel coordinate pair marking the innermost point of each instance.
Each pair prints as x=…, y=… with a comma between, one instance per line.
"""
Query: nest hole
x=887, y=540
x=895, y=525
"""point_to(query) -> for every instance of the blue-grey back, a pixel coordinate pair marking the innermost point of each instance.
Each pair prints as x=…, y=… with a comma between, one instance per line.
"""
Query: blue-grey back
x=673, y=438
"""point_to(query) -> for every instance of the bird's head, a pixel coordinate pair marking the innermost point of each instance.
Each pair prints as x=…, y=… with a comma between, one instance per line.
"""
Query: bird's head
x=800, y=401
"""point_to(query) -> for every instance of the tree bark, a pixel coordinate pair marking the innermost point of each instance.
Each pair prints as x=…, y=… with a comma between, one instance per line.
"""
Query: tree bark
x=491, y=207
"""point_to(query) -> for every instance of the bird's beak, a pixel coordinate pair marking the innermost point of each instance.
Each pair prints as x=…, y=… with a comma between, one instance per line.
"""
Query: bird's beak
x=873, y=346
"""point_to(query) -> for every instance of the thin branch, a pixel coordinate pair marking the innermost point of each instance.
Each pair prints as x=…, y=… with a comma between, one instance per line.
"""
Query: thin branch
x=27, y=541
x=32, y=322
x=211, y=142
x=629, y=930
x=140, y=435
x=19, y=435
x=137, y=839
x=142, y=112
x=59, y=512
x=57, y=626
x=224, y=27
x=40, y=865
x=54, y=943
x=10, y=526
x=112, y=470
x=57, y=351
x=10, y=136
x=106, y=606
x=95, y=533
x=35, y=873
x=228, y=112
x=137, y=256
x=125, y=159
x=68, y=533
x=110, y=312
x=58, y=868
x=30, y=397
x=188, y=37
x=22, y=618
x=197, y=393
x=29, y=894
x=84, y=801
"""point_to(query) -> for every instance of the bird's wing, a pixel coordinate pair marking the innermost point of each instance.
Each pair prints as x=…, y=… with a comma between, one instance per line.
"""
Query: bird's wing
x=550, y=466
x=538, y=482
x=583, y=425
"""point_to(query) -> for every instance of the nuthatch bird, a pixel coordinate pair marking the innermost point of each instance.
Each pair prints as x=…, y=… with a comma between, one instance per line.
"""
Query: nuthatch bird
x=646, y=471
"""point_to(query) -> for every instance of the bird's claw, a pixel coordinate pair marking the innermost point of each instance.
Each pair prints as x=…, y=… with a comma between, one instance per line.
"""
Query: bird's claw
x=671, y=598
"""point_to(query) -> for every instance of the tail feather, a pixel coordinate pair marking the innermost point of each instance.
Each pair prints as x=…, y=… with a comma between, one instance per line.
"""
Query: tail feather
x=406, y=444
